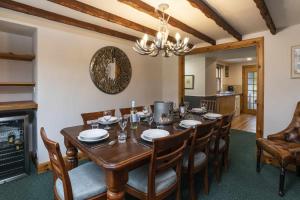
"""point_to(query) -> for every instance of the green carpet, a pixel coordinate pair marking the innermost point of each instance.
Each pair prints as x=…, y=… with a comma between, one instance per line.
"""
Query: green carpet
x=240, y=182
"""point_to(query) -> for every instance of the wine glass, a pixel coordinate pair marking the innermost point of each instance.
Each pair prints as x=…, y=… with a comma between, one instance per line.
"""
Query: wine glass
x=107, y=117
x=150, y=120
x=145, y=110
x=123, y=122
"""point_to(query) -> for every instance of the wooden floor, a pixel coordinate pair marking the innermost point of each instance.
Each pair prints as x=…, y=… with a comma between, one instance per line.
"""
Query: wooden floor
x=244, y=122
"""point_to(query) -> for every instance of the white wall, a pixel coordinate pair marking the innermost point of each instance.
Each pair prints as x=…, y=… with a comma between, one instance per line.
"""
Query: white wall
x=195, y=65
x=64, y=87
x=210, y=77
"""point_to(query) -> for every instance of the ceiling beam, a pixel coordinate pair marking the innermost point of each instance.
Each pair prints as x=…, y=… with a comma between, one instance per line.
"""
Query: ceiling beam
x=219, y=20
x=23, y=8
x=96, y=12
x=264, y=11
x=146, y=8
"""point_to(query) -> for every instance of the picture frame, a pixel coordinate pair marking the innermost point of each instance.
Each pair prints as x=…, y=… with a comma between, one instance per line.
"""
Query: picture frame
x=189, y=82
x=295, y=65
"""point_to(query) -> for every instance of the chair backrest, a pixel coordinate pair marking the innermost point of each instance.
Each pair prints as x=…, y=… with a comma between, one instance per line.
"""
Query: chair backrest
x=58, y=166
x=126, y=111
x=217, y=134
x=226, y=124
x=167, y=154
x=200, y=140
x=211, y=105
x=293, y=131
x=86, y=117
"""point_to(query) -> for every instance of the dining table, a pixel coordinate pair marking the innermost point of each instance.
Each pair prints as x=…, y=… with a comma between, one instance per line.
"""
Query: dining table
x=116, y=159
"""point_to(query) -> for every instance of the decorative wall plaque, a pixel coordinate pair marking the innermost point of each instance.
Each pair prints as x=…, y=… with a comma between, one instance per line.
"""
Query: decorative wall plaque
x=110, y=70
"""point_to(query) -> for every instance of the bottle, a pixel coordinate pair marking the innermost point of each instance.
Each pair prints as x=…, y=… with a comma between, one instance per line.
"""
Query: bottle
x=181, y=108
x=134, y=118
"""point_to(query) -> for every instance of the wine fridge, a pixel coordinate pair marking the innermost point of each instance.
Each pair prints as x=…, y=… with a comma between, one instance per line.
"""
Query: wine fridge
x=14, y=152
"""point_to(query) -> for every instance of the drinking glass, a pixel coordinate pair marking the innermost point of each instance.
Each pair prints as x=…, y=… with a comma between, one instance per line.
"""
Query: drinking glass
x=94, y=125
x=145, y=110
x=122, y=135
x=107, y=117
x=123, y=122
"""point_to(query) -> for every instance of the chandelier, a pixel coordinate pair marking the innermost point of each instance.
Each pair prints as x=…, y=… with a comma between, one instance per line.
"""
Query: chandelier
x=153, y=47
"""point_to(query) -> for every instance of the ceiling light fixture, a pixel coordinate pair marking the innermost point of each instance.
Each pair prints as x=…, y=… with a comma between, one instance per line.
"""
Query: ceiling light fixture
x=249, y=59
x=161, y=42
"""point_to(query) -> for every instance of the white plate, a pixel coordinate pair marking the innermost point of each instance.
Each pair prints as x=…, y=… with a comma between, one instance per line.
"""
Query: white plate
x=151, y=134
x=212, y=115
x=93, y=134
x=91, y=140
x=198, y=110
x=190, y=123
x=112, y=120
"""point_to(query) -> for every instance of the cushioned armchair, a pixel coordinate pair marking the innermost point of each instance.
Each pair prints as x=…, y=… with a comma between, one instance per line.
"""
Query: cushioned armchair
x=283, y=146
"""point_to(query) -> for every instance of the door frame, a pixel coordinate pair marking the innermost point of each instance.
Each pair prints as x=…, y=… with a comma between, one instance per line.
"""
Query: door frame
x=245, y=96
x=259, y=44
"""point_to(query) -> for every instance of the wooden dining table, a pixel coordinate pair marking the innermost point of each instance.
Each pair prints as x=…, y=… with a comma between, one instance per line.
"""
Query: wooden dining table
x=116, y=159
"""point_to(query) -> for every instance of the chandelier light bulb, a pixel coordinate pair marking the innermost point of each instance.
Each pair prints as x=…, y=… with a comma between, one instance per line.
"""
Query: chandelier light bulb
x=177, y=37
x=145, y=38
x=186, y=40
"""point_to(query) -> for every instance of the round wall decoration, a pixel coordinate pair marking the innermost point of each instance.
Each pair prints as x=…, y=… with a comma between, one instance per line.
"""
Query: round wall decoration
x=110, y=70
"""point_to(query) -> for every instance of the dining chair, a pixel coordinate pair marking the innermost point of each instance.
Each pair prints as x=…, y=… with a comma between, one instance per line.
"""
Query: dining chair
x=211, y=105
x=87, y=117
x=163, y=175
x=196, y=156
x=152, y=108
x=225, y=135
x=217, y=148
x=86, y=181
x=126, y=111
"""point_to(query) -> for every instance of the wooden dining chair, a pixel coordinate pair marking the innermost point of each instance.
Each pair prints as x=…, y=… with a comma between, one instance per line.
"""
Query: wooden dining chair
x=211, y=105
x=196, y=156
x=217, y=148
x=225, y=135
x=152, y=108
x=158, y=179
x=126, y=111
x=84, y=182
x=87, y=117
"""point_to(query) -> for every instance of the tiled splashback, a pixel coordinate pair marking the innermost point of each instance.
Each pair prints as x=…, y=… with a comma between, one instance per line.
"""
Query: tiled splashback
x=237, y=88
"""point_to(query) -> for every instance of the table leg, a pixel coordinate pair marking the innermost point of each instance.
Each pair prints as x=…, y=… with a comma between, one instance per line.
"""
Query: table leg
x=72, y=155
x=115, y=182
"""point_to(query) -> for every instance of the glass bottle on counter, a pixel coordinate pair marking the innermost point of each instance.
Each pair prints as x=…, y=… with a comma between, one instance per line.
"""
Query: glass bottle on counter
x=134, y=118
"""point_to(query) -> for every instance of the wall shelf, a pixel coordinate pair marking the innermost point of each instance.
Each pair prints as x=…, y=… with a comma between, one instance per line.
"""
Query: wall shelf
x=17, y=84
x=18, y=105
x=12, y=56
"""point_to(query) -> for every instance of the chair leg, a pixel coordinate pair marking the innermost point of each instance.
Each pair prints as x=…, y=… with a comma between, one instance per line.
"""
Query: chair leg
x=281, y=181
x=298, y=170
x=205, y=180
x=217, y=169
x=178, y=192
x=225, y=157
x=192, y=187
x=259, y=151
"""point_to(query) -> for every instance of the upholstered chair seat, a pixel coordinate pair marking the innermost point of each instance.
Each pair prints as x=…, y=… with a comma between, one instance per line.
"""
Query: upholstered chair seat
x=200, y=159
x=138, y=179
x=87, y=180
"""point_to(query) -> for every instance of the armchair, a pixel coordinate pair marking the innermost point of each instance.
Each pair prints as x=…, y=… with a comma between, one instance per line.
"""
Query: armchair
x=283, y=146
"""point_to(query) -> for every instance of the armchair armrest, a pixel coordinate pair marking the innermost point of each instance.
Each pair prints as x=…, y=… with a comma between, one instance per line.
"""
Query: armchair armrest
x=280, y=135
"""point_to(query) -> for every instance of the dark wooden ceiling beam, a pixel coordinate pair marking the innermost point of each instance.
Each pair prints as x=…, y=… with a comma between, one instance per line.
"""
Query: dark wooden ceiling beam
x=23, y=8
x=96, y=12
x=146, y=8
x=219, y=20
x=264, y=11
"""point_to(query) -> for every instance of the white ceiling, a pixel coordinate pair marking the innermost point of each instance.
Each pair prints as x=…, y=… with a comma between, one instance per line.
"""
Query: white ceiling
x=243, y=15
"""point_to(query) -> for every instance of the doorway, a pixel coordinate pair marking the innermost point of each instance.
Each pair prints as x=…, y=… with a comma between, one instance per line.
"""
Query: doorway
x=258, y=43
x=249, y=89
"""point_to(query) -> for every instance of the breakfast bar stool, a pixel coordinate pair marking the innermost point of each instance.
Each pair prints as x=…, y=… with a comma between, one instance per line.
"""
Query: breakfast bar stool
x=84, y=182
x=158, y=179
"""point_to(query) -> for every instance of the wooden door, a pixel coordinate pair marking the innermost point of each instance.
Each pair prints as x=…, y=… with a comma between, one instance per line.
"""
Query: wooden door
x=249, y=89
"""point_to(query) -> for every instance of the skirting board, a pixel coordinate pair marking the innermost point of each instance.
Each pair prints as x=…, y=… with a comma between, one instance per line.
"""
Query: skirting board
x=46, y=166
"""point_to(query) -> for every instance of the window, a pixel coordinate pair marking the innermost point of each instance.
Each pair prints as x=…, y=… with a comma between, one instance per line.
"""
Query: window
x=219, y=76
